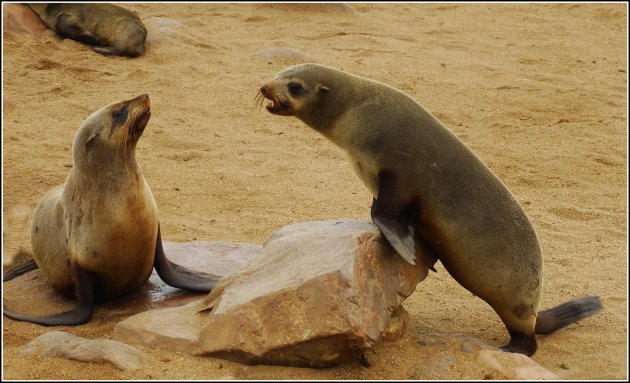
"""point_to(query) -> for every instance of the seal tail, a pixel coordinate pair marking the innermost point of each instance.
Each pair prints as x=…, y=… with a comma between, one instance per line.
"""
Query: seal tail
x=25, y=267
x=554, y=319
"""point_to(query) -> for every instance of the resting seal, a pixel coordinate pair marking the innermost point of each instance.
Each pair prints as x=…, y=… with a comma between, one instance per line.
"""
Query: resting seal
x=430, y=190
x=107, y=28
x=97, y=236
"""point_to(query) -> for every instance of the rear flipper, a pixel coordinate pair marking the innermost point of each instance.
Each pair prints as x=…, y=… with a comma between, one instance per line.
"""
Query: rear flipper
x=180, y=276
x=84, y=289
x=25, y=267
x=569, y=312
x=551, y=320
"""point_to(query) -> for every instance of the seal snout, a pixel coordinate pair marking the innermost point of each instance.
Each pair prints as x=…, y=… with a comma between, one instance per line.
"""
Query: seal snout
x=143, y=105
x=278, y=102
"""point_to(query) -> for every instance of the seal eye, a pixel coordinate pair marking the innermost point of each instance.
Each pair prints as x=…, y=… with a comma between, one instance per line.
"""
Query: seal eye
x=119, y=115
x=295, y=88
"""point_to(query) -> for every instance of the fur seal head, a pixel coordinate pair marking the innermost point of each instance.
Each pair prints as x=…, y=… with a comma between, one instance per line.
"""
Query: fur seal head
x=114, y=127
x=292, y=95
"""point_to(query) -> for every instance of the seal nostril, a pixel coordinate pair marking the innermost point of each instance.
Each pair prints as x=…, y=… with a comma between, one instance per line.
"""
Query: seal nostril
x=263, y=90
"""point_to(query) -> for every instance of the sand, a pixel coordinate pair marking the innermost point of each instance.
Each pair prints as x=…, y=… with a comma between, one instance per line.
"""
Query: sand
x=538, y=91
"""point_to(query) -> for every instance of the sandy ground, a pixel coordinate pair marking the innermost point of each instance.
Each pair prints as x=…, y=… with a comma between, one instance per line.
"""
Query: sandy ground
x=538, y=91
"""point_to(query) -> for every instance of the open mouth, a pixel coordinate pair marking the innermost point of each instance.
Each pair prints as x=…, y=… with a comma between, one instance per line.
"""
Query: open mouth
x=277, y=103
x=280, y=107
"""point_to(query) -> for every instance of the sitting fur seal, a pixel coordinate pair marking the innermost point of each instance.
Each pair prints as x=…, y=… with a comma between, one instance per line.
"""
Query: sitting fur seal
x=430, y=190
x=107, y=28
x=97, y=236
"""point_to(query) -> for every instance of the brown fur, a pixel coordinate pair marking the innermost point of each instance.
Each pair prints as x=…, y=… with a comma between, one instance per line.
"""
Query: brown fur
x=107, y=28
x=460, y=210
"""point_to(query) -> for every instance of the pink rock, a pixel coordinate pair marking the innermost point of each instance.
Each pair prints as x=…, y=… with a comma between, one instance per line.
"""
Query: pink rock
x=21, y=18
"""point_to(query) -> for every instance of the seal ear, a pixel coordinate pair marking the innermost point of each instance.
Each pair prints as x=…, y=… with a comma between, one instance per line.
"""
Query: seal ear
x=322, y=88
x=91, y=138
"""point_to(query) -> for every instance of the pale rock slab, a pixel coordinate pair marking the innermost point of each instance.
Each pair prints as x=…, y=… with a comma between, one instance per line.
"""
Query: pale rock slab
x=456, y=357
x=30, y=293
x=65, y=345
x=318, y=294
x=515, y=366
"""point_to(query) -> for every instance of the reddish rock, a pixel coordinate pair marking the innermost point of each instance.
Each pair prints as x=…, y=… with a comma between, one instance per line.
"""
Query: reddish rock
x=319, y=293
x=21, y=18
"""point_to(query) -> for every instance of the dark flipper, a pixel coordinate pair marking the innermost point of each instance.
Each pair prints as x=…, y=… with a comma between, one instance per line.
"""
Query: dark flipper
x=70, y=26
x=569, y=312
x=25, y=267
x=521, y=343
x=395, y=218
x=107, y=51
x=84, y=290
x=179, y=276
x=552, y=320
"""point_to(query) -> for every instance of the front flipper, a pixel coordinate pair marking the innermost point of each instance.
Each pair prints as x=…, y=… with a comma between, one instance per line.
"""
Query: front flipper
x=395, y=217
x=107, y=51
x=84, y=289
x=70, y=26
x=179, y=276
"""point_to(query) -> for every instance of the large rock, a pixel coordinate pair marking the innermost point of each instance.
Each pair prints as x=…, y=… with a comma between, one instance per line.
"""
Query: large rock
x=319, y=293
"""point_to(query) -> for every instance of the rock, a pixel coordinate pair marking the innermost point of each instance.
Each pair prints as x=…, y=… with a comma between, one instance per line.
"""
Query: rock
x=30, y=293
x=456, y=357
x=283, y=55
x=65, y=345
x=21, y=18
x=515, y=366
x=319, y=293
x=161, y=27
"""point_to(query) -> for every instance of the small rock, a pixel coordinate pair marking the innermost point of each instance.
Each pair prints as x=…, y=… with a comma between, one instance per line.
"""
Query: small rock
x=397, y=325
x=65, y=345
x=515, y=366
x=283, y=55
x=159, y=28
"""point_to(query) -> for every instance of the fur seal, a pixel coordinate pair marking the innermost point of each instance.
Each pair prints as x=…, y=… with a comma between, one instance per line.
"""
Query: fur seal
x=97, y=236
x=106, y=28
x=430, y=190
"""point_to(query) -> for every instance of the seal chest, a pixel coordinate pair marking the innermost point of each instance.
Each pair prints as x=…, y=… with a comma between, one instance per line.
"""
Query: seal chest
x=429, y=188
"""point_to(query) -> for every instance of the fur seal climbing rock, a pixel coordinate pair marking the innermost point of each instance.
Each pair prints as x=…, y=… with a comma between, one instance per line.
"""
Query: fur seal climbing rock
x=107, y=28
x=430, y=189
x=97, y=236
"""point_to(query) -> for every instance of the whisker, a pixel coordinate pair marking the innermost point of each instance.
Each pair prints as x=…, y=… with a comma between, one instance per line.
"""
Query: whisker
x=257, y=100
